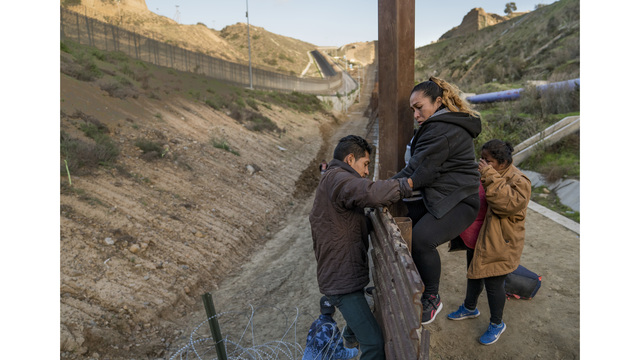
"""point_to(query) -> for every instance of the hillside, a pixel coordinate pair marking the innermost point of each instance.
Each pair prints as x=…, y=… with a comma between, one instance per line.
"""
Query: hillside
x=475, y=20
x=154, y=165
x=269, y=51
x=541, y=45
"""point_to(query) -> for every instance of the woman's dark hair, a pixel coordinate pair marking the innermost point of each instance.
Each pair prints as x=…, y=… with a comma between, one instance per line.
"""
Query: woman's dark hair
x=499, y=150
x=429, y=89
x=351, y=144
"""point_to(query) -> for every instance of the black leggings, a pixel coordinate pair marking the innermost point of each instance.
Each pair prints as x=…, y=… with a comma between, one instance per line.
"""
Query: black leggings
x=495, y=292
x=429, y=232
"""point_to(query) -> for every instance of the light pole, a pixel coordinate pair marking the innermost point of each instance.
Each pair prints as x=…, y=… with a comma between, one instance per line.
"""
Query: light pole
x=249, y=40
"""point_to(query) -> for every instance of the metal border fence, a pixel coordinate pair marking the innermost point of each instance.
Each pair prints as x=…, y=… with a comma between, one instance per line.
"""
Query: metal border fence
x=108, y=37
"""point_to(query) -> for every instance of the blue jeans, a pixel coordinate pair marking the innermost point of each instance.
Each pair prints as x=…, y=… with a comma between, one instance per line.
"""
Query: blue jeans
x=360, y=323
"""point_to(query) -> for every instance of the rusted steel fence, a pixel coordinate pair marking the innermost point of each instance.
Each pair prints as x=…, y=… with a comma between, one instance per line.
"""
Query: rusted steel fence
x=108, y=37
x=398, y=288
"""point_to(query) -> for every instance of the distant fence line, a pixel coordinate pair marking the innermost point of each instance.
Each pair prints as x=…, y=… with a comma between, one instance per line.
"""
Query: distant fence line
x=108, y=37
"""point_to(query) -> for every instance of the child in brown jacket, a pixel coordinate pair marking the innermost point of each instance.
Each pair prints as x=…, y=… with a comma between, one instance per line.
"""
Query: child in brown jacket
x=501, y=238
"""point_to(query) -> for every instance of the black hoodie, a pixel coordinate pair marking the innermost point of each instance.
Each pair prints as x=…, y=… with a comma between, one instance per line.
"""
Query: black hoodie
x=442, y=150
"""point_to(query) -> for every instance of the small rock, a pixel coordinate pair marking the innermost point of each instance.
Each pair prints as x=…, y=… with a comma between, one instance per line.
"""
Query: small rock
x=545, y=190
x=134, y=248
x=109, y=241
x=250, y=170
x=144, y=246
x=199, y=234
x=186, y=290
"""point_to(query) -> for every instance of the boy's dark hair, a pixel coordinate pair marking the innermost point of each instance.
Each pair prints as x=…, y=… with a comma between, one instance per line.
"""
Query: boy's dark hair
x=499, y=150
x=351, y=144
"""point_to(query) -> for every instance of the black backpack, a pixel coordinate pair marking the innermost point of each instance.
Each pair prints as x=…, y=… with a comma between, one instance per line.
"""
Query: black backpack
x=522, y=283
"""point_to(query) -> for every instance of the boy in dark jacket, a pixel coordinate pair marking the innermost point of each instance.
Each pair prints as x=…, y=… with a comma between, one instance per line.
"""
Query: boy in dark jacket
x=340, y=237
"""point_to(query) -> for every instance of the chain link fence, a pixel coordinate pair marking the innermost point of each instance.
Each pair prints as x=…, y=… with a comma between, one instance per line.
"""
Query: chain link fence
x=108, y=37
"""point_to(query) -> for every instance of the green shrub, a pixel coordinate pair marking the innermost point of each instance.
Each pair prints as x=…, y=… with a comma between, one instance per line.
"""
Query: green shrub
x=252, y=120
x=222, y=144
x=126, y=69
x=115, y=57
x=195, y=94
x=150, y=149
x=216, y=102
x=282, y=56
x=98, y=54
x=84, y=69
x=82, y=156
x=239, y=102
x=148, y=146
x=71, y=2
x=64, y=47
x=556, y=161
x=252, y=104
x=119, y=88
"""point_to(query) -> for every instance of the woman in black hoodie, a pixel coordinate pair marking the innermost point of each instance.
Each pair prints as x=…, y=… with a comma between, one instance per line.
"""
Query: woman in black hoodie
x=442, y=150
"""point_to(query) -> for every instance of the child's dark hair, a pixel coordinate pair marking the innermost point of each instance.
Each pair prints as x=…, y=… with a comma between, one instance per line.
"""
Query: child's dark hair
x=499, y=150
x=351, y=144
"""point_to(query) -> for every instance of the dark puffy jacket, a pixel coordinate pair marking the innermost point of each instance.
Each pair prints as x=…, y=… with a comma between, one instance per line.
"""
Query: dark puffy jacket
x=442, y=152
x=339, y=225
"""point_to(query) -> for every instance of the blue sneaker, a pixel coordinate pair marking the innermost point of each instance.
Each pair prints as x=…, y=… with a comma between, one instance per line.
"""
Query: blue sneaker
x=492, y=334
x=464, y=313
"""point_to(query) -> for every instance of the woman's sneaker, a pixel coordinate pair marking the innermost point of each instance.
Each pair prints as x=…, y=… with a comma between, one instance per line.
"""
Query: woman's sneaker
x=492, y=334
x=431, y=306
x=464, y=313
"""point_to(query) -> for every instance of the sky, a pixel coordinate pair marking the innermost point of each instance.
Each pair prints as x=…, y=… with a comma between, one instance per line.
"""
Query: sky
x=327, y=22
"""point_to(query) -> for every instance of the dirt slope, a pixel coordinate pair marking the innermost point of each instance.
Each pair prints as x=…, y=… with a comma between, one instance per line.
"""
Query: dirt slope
x=140, y=241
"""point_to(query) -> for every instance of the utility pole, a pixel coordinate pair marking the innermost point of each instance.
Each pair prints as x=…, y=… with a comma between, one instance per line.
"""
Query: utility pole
x=176, y=17
x=249, y=40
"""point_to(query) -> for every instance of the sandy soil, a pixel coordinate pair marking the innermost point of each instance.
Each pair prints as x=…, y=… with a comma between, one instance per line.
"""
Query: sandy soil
x=280, y=283
x=140, y=241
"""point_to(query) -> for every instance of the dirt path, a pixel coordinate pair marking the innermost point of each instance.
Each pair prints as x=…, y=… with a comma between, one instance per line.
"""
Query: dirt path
x=282, y=275
x=280, y=278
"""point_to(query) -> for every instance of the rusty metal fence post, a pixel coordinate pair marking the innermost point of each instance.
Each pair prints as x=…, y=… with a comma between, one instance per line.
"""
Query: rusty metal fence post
x=398, y=288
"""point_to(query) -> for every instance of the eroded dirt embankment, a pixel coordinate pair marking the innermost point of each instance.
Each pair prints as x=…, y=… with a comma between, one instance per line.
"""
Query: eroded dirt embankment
x=142, y=240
